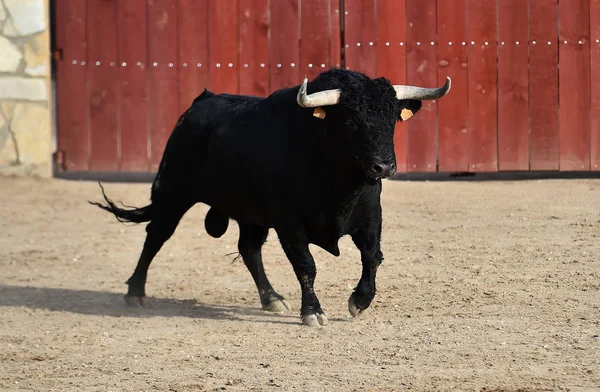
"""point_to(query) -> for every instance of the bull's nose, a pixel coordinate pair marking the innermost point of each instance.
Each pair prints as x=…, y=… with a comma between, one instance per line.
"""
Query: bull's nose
x=383, y=170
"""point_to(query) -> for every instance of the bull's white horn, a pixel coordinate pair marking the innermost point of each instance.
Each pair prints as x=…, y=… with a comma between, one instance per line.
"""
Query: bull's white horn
x=422, y=93
x=321, y=98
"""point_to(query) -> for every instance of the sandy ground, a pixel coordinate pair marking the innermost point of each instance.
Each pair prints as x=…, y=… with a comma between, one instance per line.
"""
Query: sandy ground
x=487, y=286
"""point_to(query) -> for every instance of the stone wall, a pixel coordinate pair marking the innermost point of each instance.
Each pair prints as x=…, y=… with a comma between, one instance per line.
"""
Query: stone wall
x=25, y=94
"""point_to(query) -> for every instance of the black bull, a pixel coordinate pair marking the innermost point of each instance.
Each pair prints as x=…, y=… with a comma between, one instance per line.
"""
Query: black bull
x=306, y=161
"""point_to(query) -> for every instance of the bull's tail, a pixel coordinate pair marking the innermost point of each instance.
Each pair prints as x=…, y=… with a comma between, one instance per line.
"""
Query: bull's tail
x=135, y=215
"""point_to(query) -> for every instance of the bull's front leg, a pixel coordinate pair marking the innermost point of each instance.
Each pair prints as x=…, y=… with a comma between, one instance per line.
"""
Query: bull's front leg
x=368, y=240
x=295, y=246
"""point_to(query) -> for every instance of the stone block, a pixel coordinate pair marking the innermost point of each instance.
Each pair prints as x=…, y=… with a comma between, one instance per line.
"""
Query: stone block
x=27, y=89
x=3, y=132
x=7, y=108
x=31, y=127
x=9, y=29
x=37, y=55
x=28, y=16
x=2, y=12
x=11, y=56
x=4, y=137
x=8, y=154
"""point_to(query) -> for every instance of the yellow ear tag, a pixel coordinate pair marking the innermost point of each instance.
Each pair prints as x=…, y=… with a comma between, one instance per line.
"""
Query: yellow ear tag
x=319, y=113
x=406, y=114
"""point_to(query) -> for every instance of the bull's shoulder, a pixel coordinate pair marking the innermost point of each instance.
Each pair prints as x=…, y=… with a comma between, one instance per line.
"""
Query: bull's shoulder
x=209, y=98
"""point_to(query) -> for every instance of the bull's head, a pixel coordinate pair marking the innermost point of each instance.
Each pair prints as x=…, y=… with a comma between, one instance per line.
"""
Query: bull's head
x=365, y=111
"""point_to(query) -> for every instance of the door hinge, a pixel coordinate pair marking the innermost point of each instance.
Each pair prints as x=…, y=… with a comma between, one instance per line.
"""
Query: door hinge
x=57, y=54
x=59, y=161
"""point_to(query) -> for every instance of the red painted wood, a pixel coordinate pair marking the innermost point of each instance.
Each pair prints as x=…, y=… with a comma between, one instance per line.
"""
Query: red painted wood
x=224, y=58
x=336, y=38
x=513, y=85
x=163, y=73
x=453, y=141
x=284, y=45
x=543, y=85
x=482, y=88
x=133, y=86
x=113, y=109
x=391, y=60
x=422, y=71
x=574, y=85
x=71, y=91
x=193, y=50
x=254, y=47
x=595, y=77
x=315, y=37
x=361, y=36
x=102, y=79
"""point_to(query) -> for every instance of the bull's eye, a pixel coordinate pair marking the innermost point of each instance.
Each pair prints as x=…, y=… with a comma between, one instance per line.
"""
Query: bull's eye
x=352, y=126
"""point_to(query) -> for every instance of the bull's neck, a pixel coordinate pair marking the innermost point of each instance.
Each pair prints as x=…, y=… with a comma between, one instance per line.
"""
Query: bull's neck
x=347, y=182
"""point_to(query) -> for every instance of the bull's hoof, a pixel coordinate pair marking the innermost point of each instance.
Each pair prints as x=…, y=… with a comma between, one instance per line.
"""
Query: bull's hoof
x=136, y=302
x=277, y=306
x=354, y=310
x=314, y=320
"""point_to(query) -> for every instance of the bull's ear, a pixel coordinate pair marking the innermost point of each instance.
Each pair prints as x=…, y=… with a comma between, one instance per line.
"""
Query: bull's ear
x=408, y=108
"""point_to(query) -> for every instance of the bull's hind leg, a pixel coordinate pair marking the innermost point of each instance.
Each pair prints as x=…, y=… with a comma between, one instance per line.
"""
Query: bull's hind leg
x=166, y=217
x=250, y=243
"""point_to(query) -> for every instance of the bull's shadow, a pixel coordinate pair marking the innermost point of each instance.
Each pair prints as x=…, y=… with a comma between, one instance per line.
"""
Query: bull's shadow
x=102, y=303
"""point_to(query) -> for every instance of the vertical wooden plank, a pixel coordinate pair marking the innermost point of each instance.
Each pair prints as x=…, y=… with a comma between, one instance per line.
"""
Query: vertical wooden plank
x=163, y=74
x=254, y=47
x=361, y=35
x=391, y=59
x=336, y=38
x=595, y=77
x=315, y=37
x=193, y=50
x=574, y=85
x=71, y=91
x=422, y=71
x=223, y=47
x=133, y=93
x=284, y=45
x=513, y=90
x=102, y=79
x=543, y=85
x=453, y=138
x=482, y=86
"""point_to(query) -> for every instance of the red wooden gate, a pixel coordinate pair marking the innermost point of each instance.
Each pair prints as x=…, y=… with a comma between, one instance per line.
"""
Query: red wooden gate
x=129, y=67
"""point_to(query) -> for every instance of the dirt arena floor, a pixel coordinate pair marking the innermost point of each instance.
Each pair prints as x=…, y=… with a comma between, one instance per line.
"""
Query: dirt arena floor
x=486, y=286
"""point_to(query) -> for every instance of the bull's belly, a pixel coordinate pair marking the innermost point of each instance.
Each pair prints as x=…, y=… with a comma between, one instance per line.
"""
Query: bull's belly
x=268, y=206
x=240, y=205
x=325, y=236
